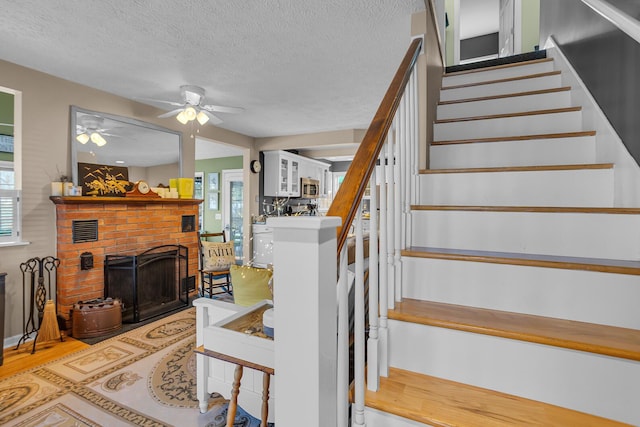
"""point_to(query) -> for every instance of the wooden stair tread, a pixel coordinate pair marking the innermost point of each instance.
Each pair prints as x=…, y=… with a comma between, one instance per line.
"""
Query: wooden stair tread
x=516, y=138
x=508, y=79
x=533, y=209
x=531, y=260
x=508, y=115
x=497, y=67
x=521, y=168
x=439, y=402
x=594, y=338
x=507, y=95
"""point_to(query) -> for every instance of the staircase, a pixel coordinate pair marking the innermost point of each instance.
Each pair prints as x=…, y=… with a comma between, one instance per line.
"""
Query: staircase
x=520, y=290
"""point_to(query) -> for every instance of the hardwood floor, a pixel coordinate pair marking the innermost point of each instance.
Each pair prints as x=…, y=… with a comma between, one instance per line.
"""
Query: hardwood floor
x=21, y=359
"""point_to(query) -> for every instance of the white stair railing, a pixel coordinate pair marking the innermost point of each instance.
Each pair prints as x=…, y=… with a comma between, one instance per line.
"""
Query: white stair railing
x=383, y=292
x=398, y=173
x=373, y=349
x=313, y=320
x=343, y=341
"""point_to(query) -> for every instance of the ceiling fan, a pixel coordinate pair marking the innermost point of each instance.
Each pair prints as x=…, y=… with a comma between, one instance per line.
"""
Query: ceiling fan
x=192, y=107
x=90, y=128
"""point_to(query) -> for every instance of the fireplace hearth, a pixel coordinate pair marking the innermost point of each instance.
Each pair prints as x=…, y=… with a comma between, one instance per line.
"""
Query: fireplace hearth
x=149, y=283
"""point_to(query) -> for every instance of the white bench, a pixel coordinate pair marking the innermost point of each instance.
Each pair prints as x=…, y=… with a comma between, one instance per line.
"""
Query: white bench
x=215, y=375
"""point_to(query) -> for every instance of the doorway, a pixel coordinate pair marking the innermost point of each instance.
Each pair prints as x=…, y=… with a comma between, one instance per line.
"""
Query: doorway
x=477, y=30
x=232, y=207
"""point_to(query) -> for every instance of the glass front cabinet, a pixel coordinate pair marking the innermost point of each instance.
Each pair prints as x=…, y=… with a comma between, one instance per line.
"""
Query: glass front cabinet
x=286, y=182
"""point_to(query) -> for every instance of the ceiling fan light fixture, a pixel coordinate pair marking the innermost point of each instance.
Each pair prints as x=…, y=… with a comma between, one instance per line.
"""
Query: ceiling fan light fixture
x=83, y=138
x=192, y=107
x=98, y=139
x=190, y=113
x=182, y=117
x=202, y=118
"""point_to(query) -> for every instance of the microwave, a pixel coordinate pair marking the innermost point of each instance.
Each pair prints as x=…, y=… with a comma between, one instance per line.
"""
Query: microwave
x=309, y=188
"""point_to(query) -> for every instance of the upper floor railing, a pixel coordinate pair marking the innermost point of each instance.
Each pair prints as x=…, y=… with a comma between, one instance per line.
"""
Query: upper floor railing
x=619, y=18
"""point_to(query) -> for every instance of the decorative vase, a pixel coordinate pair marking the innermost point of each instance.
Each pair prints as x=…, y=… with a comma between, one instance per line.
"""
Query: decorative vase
x=56, y=188
x=185, y=188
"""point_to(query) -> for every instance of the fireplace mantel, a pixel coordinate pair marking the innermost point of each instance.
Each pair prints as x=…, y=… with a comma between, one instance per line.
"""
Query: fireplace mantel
x=120, y=200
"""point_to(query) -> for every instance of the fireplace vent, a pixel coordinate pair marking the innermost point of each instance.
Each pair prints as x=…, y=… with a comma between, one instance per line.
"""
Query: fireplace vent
x=84, y=230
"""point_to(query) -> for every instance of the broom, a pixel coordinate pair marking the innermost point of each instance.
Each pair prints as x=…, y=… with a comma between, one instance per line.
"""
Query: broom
x=49, y=329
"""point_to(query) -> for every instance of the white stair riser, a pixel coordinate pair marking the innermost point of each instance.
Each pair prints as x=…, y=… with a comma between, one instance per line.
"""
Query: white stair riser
x=375, y=418
x=536, y=124
x=497, y=74
x=535, y=152
x=584, y=296
x=567, y=378
x=501, y=88
x=589, y=235
x=512, y=104
x=585, y=187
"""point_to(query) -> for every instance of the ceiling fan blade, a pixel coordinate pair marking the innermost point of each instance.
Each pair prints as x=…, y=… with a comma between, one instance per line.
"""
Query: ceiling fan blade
x=222, y=109
x=213, y=119
x=162, y=101
x=170, y=113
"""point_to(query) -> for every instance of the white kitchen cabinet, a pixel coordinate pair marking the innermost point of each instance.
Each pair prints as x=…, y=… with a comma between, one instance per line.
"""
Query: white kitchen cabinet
x=283, y=170
x=325, y=181
x=315, y=169
x=281, y=174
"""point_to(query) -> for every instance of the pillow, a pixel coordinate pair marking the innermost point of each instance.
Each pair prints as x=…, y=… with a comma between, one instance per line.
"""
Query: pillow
x=250, y=284
x=218, y=256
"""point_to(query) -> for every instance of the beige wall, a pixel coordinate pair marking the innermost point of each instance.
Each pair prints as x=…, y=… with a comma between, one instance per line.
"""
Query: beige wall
x=430, y=69
x=45, y=151
x=316, y=145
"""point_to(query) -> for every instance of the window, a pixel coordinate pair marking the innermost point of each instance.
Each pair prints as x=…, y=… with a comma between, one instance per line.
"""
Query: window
x=9, y=204
x=10, y=218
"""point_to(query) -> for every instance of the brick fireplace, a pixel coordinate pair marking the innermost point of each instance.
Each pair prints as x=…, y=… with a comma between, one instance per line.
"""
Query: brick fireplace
x=125, y=225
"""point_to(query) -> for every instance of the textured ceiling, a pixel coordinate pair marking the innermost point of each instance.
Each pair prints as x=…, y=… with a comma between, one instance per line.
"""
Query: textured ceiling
x=295, y=66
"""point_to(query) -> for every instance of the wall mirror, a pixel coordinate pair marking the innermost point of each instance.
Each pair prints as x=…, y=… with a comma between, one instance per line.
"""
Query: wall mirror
x=147, y=151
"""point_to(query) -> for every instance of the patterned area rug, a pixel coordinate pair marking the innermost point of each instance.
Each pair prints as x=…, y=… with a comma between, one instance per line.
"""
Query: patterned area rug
x=143, y=377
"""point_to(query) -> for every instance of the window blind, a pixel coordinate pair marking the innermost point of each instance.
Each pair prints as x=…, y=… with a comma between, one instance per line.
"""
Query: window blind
x=9, y=215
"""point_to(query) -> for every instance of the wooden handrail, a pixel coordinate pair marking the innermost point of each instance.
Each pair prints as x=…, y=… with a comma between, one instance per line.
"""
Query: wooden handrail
x=347, y=200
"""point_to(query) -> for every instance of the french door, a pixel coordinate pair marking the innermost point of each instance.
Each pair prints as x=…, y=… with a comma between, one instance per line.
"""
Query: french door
x=232, y=204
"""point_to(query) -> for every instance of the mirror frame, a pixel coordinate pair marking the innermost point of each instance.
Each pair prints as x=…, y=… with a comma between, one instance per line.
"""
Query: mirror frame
x=127, y=120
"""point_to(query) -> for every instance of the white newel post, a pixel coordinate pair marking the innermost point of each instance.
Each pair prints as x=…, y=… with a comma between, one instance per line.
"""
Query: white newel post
x=305, y=320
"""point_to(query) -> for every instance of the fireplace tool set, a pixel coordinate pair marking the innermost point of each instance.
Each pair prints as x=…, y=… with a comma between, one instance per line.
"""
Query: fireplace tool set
x=37, y=275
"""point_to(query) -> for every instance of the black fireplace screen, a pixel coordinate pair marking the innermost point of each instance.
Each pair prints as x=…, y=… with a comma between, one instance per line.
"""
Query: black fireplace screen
x=150, y=283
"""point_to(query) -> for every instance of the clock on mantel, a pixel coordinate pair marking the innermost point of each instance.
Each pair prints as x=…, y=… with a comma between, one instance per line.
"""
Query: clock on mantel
x=141, y=189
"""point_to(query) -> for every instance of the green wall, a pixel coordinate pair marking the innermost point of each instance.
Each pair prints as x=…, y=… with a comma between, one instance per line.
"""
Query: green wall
x=530, y=25
x=6, y=113
x=211, y=224
x=6, y=116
